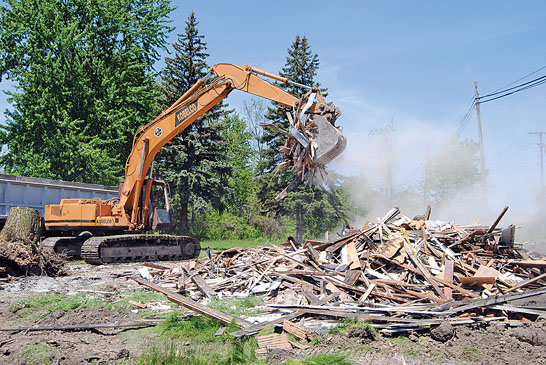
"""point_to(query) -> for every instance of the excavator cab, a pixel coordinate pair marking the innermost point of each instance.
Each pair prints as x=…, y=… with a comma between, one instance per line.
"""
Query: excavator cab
x=160, y=213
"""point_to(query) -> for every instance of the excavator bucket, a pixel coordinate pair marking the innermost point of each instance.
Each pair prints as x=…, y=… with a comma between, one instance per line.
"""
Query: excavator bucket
x=330, y=141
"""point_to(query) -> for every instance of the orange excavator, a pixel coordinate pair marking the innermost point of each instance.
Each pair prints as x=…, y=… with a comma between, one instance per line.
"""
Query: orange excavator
x=106, y=231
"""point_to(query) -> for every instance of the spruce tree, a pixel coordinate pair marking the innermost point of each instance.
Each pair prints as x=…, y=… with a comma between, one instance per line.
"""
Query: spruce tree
x=309, y=204
x=195, y=165
x=83, y=79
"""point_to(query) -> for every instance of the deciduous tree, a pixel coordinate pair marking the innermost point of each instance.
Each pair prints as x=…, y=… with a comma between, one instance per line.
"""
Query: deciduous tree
x=83, y=84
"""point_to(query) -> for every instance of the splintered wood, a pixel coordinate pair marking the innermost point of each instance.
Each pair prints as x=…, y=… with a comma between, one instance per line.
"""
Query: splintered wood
x=399, y=274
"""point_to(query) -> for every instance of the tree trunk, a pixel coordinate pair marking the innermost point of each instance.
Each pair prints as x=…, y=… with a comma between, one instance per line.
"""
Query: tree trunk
x=299, y=223
x=23, y=224
x=184, y=227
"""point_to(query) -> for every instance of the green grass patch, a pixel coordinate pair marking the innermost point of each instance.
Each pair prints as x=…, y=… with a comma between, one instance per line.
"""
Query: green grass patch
x=344, y=325
x=139, y=295
x=325, y=359
x=401, y=340
x=240, y=351
x=472, y=351
x=38, y=308
x=196, y=329
x=237, y=306
x=37, y=354
x=221, y=245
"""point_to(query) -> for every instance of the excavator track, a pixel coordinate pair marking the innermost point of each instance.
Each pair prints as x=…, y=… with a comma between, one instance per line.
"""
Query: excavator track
x=139, y=247
x=69, y=246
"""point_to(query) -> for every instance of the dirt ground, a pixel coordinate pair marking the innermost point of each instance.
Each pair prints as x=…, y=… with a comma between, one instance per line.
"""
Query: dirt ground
x=483, y=344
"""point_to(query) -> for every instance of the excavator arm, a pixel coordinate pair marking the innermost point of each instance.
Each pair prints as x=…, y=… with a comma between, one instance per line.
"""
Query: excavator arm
x=204, y=95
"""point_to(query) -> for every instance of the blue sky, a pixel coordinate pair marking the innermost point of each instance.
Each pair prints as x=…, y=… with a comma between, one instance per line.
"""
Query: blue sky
x=411, y=61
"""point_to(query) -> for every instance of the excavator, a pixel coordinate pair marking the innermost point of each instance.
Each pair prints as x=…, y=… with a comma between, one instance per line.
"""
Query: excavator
x=110, y=231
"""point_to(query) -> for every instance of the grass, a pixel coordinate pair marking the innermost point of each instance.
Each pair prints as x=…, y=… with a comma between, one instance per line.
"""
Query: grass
x=193, y=341
x=40, y=307
x=37, y=354
x=325, y=359
x=241, y=352
x=344, y=325
x=237, y=306
x=220, y=245
x=139, y=295
x=472, y=351
x=196, y=329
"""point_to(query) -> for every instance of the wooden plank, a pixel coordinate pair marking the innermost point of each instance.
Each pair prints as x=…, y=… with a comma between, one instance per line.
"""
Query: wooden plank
x=352, y=256
x=297, y=331
x=484, y=271
x=156, y=266
x=203, y=286
x=223, y=317
x=257, y=327
x=477, y=280
x=352, y=276
x=448, y=276
x=334, y=289
x=525, y=283
x=137, y=304
x=274, y=341
x=424, y=271
x=312, y=253
x=494, y=225
x=367, y=293
x=539, y=264
x=311, y=297
x=438, y=280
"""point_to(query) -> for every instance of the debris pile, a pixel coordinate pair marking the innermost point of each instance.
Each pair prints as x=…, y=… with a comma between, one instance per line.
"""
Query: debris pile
x=398, y=274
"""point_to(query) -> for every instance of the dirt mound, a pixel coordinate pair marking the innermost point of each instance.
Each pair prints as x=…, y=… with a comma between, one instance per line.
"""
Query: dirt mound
x=21, y=258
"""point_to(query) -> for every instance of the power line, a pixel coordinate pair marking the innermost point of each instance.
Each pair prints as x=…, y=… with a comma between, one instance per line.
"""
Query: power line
x=521, y=87
x=522, y=78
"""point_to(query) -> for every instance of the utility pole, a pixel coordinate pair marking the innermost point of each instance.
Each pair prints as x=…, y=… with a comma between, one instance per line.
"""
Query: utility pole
x=482, y=153
x=541, y=149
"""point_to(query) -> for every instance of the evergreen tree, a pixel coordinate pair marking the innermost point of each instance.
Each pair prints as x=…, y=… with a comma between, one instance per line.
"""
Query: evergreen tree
x=83, y=84
x=195, y=164
x=309, y=204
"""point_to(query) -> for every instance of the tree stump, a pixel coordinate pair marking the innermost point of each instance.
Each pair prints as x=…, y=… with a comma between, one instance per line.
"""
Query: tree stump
x=23, y=225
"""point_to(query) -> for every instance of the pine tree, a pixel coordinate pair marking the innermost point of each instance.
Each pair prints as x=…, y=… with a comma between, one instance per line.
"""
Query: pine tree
x=309, y=204
x=83, y=84
x=195, y=164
